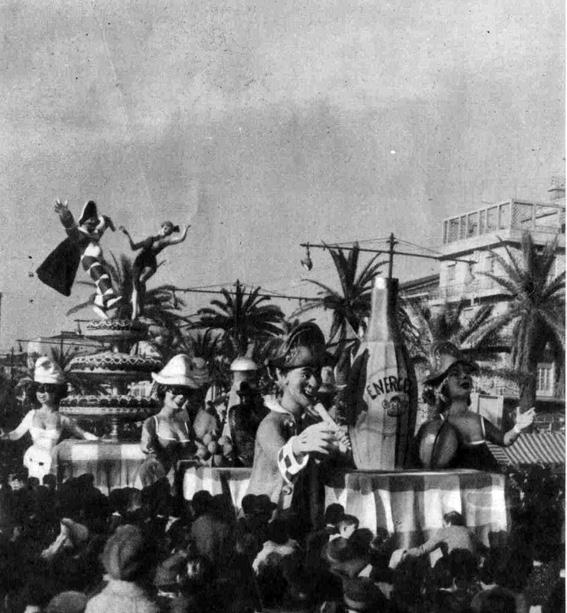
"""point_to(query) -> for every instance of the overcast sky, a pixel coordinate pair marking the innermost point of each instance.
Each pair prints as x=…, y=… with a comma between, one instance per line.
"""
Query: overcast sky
x=265, y=124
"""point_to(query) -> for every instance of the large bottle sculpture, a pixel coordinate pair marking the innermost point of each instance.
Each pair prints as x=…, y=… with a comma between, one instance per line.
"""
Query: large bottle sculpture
x=382, y=390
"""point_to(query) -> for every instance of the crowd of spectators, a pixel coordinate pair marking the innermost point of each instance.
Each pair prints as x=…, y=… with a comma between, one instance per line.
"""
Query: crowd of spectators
x=71, y=549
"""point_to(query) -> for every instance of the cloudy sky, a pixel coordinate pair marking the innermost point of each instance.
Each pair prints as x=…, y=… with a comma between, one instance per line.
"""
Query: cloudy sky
x=265, y=124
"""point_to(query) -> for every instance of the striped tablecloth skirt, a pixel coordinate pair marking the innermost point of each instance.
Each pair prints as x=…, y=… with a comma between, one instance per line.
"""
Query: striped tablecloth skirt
x=113, y=465
x=232, y=482
x=411, y=504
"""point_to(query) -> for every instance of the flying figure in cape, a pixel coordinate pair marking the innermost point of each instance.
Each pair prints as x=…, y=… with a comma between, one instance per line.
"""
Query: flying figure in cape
x=82, y=245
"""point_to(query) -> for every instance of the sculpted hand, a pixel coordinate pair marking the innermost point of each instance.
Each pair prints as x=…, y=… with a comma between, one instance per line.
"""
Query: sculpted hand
x=318, y=438
x=524, y=420
x=61, y=207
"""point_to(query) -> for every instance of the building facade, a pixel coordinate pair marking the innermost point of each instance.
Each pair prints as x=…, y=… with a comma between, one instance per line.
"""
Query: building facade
x=473, y=238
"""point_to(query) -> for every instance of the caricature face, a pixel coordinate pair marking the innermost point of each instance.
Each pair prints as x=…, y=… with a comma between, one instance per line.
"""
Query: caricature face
x=166, y=229
x=46, y=393
x=175, y=397
x=91, y=224
x=459, y=381
x=299, y=386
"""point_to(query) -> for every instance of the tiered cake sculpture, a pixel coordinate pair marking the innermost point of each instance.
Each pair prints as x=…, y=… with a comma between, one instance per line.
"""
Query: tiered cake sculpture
x=115, y=370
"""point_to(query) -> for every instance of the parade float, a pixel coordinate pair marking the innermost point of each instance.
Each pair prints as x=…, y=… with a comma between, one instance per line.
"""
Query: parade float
x=378, y=483
x=115, y=458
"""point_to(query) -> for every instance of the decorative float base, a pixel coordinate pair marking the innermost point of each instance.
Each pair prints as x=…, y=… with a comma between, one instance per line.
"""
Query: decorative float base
x=411, y=503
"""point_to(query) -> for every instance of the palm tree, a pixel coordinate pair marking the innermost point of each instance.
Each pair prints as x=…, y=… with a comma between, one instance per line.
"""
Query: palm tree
x=351, y=304
x=243, y=317
x=536, y=310
x=211, y=345
x=162, y=305
x=445, y=324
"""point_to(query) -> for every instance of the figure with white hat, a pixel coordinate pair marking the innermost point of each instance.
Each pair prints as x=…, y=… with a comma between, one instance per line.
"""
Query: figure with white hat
x=458, y=438
x=45, y=424
x=282, y=449
x=82, y=245
x=167, y=436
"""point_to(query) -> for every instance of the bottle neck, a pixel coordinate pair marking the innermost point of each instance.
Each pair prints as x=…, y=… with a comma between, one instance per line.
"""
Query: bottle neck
x=382, y=325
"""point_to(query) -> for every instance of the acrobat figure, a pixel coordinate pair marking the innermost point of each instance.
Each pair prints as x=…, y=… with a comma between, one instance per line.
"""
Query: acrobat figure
x=145, y=264
x=81, y=245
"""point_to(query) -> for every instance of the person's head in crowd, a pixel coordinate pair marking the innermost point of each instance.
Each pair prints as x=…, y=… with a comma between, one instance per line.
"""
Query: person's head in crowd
x=441, y=576
x=221, y=508
x=67, y=602
x=360, y=540
x=38, y=591
x=345, y=559
x=512, y=568
x=263, y=508
x=50, y=481
x=452, y=518
x=272, y=583
x=248, y=505
x=333, y=514
x=361, y=594
x=278, y=531
x=201, y=503
x=178, y=535
x=347, y=525
x=129, y=555
x=197, y=573
x=18, y=479
x=409, y=579
x=73, y=538
x=247, y=544
x=497, y=600
x=463, y=565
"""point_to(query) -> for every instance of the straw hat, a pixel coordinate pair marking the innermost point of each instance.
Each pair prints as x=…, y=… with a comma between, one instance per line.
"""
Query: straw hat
x=243, y=364
x=445, y=354
x=184, y=371
x=47, y=371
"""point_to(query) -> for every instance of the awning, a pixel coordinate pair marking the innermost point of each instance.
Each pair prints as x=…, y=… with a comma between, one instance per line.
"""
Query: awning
x=537, y=448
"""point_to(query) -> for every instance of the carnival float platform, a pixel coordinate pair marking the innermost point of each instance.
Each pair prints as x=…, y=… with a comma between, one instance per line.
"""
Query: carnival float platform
x=409, y=504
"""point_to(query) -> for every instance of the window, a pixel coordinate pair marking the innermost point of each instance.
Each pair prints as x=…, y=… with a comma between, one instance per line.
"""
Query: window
x=451, y=270
x=472, y=227
x=504, y=216
x=492, y=219
x=545, y=379
x=463, y=228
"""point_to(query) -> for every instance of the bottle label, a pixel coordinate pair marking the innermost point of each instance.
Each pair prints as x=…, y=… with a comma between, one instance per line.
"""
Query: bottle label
x=393, y=393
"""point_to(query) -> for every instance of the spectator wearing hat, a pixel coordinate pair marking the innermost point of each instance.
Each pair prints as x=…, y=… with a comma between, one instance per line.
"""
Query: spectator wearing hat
x=282, y=450
x=448, y=387
x=45, y=425
x=129, y=560
x=166, y=436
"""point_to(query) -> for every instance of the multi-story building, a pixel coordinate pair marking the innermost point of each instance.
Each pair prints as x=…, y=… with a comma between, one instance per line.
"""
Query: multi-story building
x=473, y=238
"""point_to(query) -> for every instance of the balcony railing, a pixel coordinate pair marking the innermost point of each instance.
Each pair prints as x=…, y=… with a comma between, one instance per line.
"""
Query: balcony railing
x=513, y=214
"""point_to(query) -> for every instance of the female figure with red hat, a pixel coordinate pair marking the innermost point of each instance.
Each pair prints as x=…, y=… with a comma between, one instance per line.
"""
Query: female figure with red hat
x=282, y=449
x=166, y=436
x=449, y=388
x=145, y=264
x=45, y=424
x=82, y=245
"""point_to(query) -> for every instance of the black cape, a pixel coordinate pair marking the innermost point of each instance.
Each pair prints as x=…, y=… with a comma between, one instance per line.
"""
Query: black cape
x=60, y=266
